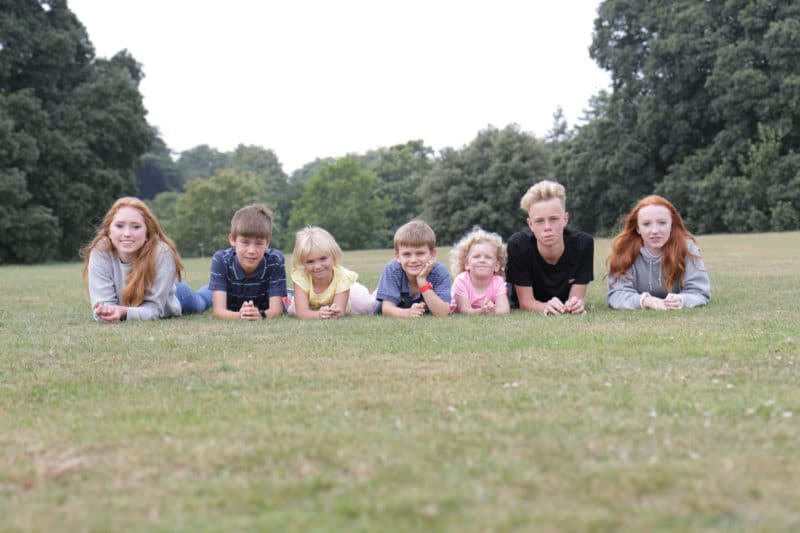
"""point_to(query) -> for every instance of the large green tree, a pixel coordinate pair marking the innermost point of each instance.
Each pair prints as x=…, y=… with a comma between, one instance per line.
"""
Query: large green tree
x=603, y=168
x=202, y=161
x=202, y=215
x=342, y=198
x=400, y=170
x=704, y=108
x=156, y=171
x=264, y=165
x=72, y=128
x=482, y=183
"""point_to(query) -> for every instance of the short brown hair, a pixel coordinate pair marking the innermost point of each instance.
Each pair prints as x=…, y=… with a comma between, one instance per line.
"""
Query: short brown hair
x=414, y=233
x=252, y=221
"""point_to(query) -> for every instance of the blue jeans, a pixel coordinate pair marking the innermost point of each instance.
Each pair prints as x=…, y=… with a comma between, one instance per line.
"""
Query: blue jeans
x=192, y=302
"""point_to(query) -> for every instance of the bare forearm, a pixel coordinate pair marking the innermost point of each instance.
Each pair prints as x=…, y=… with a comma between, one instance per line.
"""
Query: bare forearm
x=436, y=305
x=225, y=314
x=390, y=309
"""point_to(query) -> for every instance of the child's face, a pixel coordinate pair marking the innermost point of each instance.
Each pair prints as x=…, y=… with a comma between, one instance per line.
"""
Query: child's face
x=655, y=226
x=482, y=260
x=249, y=251
x=547, y=220
x=319, y=265
x=128, y=233
x=414, y=259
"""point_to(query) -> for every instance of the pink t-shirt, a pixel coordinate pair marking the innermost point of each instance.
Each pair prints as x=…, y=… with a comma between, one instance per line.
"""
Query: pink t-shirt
x=463, y=286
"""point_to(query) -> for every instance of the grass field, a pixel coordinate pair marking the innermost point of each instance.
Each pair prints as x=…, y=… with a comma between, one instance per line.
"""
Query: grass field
x=642, y=421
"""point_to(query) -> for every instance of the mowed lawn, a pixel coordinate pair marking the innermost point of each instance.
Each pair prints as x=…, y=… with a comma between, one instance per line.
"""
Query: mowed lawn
x=642, y=421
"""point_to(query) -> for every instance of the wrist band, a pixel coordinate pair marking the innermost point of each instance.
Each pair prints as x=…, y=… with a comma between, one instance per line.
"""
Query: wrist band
x=425, y=287
x=262, y=313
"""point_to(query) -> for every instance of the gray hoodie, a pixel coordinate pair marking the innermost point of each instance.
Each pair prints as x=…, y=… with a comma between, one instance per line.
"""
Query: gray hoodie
x=645, y=277
x=107, y=275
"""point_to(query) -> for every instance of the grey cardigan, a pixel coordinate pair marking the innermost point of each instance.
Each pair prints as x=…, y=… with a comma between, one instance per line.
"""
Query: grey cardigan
x=645, y=277
x=107, y=280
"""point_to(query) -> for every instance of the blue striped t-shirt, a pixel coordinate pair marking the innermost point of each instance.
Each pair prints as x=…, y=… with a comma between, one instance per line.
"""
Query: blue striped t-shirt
x=268, y=279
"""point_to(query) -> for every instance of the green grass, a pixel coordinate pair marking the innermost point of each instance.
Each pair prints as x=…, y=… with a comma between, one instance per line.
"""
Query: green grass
x=641, y=421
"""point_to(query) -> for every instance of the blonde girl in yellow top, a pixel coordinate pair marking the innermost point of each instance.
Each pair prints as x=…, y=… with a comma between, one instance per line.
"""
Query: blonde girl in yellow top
x=322, y=287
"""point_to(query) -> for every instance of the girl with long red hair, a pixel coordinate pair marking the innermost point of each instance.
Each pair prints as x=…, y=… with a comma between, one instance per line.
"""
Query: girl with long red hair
x=655, y=262
x=133, y=270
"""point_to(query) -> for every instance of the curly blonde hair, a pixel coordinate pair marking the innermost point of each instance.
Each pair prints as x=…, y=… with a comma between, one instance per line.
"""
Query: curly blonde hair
x=459, y=252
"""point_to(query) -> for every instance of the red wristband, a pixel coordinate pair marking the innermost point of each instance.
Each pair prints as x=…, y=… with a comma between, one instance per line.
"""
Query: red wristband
x=425, y=287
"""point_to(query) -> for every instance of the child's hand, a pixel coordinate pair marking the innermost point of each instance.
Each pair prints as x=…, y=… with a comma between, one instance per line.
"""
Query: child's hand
x=416, y=310
x=575, y=306
x=249, y=311
x=422, y=277
x=336, y=311
x=109, y=313
x=651, y=302
x=553, y=307
x=487, y=307
x=330, y=311
x=673, y=301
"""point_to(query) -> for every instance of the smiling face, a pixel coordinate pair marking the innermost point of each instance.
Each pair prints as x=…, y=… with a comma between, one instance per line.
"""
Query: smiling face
x=128, y=233
x=482, y=261
x=249, y=251
x=547, y=220
x=413, y=258
x=654, y=225
x=319, y=265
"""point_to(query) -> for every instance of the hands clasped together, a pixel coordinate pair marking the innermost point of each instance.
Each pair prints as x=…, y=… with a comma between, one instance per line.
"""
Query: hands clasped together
x=249, y=311
x=573, y=306
x=109, y=313
x=670, y=301
x=331, y=311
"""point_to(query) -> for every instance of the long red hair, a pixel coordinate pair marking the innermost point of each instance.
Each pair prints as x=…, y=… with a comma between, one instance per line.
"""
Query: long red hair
x=626, y=246
x=143, y=271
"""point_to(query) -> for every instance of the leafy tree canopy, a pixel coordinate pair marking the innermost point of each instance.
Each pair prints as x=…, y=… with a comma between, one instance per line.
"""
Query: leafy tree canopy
x=201, y=162
x=202, y=215
x=342, y=198
x=705, y=109
x=72, y=128
x=400, y=170
x=483, y=183
x=157, y=172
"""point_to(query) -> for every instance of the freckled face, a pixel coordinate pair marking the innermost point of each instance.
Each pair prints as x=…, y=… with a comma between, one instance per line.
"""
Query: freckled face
x=654, y=224
x=128, y=233
x=482, y=260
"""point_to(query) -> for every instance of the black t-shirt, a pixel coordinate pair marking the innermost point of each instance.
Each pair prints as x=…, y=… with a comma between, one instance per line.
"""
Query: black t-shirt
x=527, y=268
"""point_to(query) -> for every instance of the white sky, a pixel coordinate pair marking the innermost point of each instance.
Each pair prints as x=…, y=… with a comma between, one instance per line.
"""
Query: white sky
x=320, y=78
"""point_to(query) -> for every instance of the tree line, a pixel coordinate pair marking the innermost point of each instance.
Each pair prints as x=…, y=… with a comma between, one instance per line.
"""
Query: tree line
x=359, y=198
x=704, y=108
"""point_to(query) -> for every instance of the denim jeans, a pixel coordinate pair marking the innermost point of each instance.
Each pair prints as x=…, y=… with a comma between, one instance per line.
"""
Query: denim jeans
x=192, y=302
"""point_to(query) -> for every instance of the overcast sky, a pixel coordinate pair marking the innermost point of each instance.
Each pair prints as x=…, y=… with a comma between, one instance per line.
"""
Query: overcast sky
x=322, y=78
